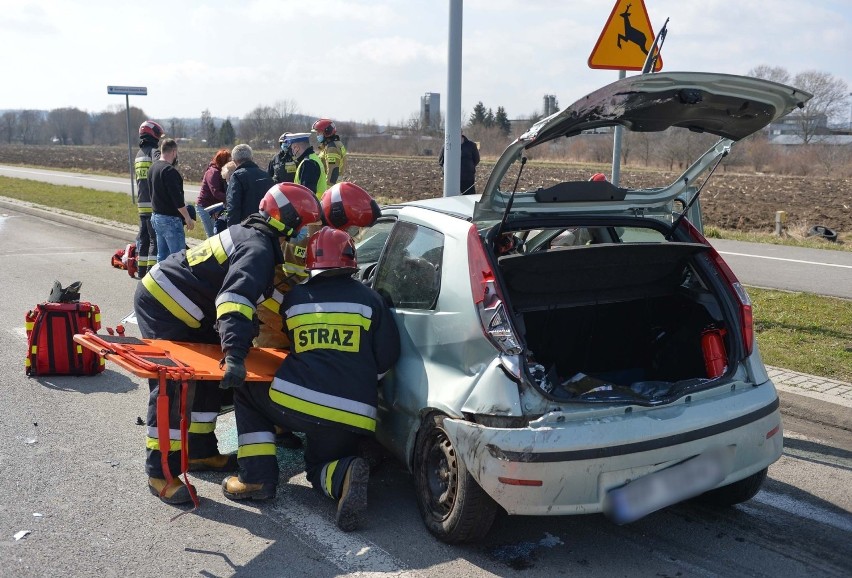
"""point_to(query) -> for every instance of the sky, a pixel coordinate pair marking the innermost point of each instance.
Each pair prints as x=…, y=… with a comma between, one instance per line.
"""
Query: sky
x=372, y=60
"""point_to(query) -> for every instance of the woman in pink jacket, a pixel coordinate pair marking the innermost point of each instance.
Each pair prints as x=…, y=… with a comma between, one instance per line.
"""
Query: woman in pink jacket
x=213, y=188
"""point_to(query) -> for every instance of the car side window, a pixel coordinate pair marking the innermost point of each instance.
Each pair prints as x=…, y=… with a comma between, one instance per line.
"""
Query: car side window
x=409, y=273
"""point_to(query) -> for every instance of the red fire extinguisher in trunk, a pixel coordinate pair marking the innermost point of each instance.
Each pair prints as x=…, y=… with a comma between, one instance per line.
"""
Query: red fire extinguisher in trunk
x=713, y=347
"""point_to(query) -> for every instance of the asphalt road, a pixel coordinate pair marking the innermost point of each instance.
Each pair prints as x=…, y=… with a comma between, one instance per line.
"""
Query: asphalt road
x=818, y=271
x=71, y=473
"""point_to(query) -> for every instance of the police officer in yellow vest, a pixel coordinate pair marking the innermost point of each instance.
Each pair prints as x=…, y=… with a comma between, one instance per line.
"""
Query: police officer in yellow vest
x=311, y=170
x=331, y=150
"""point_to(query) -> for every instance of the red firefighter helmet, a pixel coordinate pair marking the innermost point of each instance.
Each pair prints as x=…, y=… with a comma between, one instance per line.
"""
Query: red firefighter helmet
x=325, y=127
x=348, y=205
x=600, y=177
x=330, y=249
x=288, y=206
x=152, y=129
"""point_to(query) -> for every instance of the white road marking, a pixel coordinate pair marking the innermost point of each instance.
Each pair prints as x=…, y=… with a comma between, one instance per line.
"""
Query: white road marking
x=65, y=175
x=788, y=260
x=802, y=510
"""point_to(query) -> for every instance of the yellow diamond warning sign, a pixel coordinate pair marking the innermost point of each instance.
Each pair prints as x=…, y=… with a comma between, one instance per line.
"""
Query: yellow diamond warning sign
x=626, y=38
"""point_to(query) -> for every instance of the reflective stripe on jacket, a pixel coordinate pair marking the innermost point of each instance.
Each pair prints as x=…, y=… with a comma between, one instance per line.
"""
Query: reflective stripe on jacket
x=144, y=159
x=342, y=337
x=219, y=281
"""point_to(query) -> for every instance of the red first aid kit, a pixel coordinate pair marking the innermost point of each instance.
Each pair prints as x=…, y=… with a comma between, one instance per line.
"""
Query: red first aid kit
x=51, y=349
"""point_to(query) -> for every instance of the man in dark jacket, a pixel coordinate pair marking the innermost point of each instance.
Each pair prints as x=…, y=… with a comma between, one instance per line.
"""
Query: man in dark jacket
x=209, y=294
x=170, y=213
x=150, y=134
x=343, y=339
x=282, y=167
x=246, y=187
x=467, y=169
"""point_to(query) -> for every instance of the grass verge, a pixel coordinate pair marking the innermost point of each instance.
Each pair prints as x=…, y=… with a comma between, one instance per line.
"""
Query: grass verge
x=804, y=332
x=843, y=243
x=797, y=331
x=102, y=204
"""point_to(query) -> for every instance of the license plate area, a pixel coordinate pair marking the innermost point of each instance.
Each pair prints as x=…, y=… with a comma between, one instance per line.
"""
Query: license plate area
x=674, y=484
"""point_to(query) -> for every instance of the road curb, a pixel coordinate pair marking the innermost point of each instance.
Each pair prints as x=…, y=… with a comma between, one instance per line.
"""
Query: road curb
x=113, y=229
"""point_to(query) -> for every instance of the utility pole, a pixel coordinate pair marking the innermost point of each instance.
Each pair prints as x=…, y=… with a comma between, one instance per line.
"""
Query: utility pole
x=452, y=123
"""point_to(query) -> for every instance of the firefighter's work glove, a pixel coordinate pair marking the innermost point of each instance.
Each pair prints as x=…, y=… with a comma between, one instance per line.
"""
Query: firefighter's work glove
x=235, y=373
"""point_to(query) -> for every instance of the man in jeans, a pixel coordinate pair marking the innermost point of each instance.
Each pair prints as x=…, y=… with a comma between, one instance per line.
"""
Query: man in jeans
x=169, y=209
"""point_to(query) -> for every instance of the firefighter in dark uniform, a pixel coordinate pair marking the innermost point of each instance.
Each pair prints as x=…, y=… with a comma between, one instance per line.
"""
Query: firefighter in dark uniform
x=344, y=206
x=207, y=294
x=343, y=339
x=282, y=167
x=150, y=134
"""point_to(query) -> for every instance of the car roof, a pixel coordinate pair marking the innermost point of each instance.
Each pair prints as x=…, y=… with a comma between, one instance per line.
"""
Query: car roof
x=459, y=206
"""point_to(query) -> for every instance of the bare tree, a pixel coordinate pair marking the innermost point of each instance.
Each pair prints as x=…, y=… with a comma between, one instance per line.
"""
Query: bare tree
x=831, y=98
x=8, y=124
x=177, y=128
x=69, y=125
x=258, y=125
x=208, y=128
x=777, y=74
x=31, y=126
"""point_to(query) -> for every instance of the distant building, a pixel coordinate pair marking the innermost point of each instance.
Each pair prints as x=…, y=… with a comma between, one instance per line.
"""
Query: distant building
x=430, y=110
x=549, y=105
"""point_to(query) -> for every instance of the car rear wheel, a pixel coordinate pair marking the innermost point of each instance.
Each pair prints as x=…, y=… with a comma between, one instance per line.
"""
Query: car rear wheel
x=454, y=508
x=737, y=492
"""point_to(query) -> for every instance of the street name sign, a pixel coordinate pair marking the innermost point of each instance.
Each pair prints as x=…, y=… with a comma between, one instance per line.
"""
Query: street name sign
x=135, y=90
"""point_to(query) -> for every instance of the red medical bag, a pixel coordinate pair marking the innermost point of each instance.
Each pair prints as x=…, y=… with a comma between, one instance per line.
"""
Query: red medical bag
x=51, y=349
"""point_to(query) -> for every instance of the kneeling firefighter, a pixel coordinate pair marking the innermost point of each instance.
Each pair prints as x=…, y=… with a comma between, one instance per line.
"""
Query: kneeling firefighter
x=207, y=294
x=343, y=339
x=344, y=206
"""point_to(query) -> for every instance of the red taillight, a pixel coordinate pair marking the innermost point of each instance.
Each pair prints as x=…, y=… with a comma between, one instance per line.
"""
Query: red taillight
x=480, y=269
x=746, y=318
x=487, y=298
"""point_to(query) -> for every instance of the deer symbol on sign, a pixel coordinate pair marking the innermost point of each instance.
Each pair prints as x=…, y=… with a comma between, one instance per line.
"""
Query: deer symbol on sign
x=631, y=34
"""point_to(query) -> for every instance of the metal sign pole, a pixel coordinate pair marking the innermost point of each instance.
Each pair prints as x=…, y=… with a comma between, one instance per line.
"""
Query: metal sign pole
x=130, y=151
x=127, y=91
x=616, y=145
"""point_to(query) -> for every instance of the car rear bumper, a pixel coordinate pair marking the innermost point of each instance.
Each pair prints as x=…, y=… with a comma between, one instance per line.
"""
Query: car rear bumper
x=565, y=465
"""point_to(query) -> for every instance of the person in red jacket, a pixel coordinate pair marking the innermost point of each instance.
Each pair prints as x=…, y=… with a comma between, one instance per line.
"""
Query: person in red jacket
x=213, y=188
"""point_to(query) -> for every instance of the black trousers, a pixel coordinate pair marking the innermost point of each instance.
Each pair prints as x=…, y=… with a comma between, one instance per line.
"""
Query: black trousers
x=146, y=245
x=328, y=450
x=204, y=398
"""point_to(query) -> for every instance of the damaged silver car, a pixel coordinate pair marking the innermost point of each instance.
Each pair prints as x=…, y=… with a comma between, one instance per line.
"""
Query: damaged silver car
x=578, y=347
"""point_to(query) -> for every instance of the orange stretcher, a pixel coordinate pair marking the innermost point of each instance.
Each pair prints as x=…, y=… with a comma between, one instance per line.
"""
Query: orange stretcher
x=166, y=360
x=143, y=357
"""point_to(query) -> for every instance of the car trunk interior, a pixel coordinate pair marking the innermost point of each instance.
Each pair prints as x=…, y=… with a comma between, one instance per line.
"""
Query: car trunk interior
x=612, y=321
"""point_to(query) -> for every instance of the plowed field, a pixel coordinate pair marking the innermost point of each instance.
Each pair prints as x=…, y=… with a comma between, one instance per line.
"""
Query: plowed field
x=730, y=200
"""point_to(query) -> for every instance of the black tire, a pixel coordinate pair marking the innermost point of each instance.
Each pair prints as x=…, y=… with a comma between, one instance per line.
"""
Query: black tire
x=737, y=492
x=824, y=232
x=453, y=506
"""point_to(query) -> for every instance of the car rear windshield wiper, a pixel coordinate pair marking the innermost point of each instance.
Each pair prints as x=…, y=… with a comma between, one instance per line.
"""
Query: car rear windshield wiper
x=694, y=198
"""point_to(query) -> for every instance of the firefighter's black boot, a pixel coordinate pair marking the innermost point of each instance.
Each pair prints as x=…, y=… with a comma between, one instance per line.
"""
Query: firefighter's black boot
x=353, y=497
